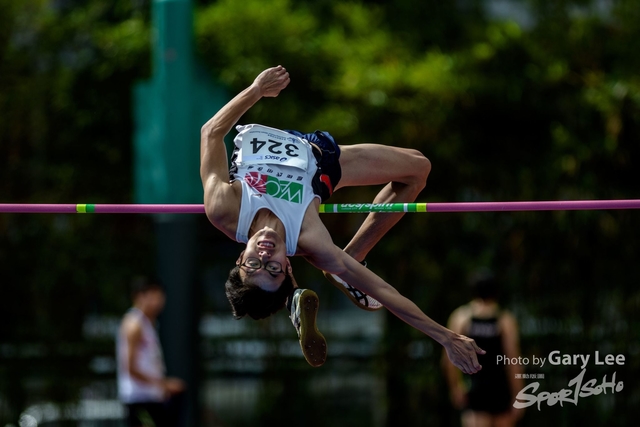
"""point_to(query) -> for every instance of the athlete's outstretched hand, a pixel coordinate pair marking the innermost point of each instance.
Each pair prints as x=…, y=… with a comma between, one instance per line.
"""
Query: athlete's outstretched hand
x=272, y=80
x=462, y=352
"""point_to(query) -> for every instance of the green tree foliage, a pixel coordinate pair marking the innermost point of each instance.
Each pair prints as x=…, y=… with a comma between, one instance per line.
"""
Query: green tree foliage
x=545, y=109
x=66, y=71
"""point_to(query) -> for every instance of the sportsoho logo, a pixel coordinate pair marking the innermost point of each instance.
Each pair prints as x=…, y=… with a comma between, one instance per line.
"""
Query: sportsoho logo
x=278, y=188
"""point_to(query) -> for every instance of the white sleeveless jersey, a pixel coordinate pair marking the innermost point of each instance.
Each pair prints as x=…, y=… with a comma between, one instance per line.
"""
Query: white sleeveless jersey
x=275, y=169
x=149, y=361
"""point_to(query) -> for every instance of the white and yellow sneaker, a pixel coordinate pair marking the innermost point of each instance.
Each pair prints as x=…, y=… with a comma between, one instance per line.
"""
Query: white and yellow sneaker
x=304, y=308
x=359, y=298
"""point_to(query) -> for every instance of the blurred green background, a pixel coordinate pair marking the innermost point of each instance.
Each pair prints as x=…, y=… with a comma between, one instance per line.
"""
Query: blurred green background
x=510, y=99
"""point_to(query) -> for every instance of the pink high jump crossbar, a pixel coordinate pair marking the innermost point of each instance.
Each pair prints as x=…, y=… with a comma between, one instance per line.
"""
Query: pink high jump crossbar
x=562, y=205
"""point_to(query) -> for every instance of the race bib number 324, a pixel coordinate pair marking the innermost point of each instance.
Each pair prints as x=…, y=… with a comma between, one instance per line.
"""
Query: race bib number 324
x=262, y=145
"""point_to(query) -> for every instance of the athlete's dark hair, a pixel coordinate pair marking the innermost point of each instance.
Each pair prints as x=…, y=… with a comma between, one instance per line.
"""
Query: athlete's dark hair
x=248, y=298
x=141, y=284
x=483, y=284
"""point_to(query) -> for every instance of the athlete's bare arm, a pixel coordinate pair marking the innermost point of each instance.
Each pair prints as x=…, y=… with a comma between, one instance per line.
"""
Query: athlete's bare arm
x=458, y=323
x=316, y=245
x=221, y=199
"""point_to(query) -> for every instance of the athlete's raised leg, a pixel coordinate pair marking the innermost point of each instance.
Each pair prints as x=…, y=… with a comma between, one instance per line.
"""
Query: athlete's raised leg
x=405, y=172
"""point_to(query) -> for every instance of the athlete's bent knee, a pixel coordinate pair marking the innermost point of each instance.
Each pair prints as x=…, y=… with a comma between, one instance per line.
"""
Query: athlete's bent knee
x=420, y=167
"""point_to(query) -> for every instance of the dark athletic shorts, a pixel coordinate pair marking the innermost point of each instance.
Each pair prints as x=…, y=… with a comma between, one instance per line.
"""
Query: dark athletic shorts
x=329, y=172
x=328, y=159
x=163, y=414
x=160, y=413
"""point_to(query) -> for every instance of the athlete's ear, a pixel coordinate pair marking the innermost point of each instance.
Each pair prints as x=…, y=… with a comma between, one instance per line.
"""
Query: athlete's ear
x=239, y=260
x=290, y=274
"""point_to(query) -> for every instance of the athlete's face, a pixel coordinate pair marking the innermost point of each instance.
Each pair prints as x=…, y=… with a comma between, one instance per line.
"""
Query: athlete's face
x=264, y=262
